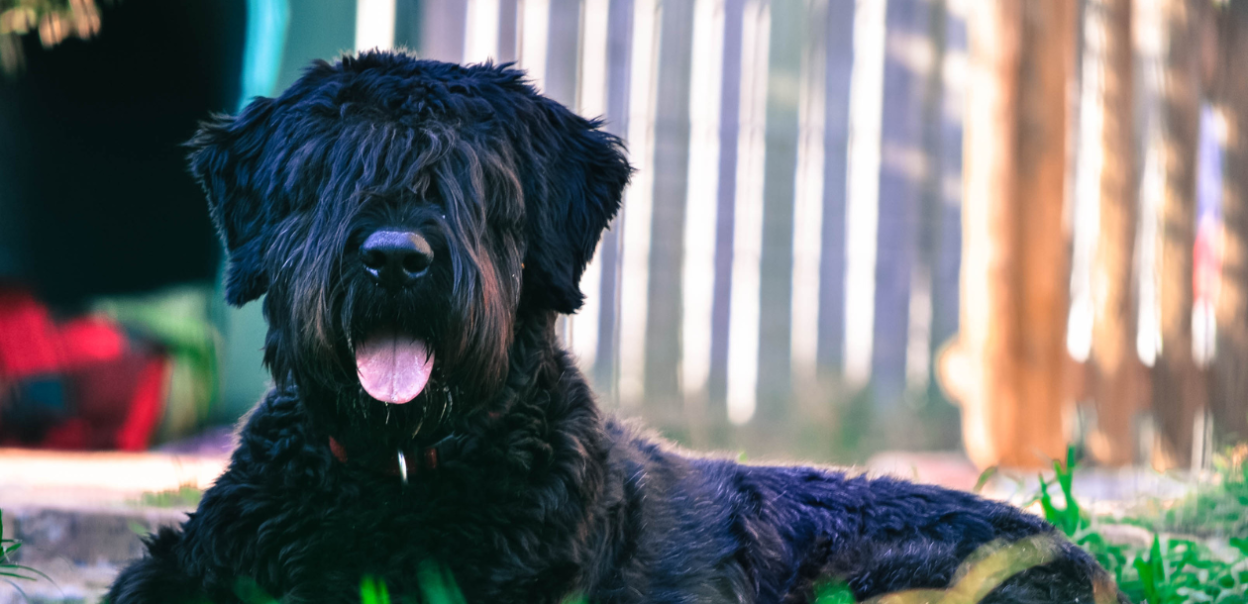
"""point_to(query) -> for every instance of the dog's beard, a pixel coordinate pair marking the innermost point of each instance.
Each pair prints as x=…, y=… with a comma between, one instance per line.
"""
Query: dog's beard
x=359, y=415
x=402, y=391
x=398, y=388
x=397, y=377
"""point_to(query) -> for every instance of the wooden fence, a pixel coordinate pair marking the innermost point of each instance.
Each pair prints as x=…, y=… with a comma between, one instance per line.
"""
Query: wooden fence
x=795, y=255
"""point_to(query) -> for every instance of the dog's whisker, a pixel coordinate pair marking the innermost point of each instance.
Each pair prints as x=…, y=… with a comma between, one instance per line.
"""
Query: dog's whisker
x=419, y=425
x=446, y=403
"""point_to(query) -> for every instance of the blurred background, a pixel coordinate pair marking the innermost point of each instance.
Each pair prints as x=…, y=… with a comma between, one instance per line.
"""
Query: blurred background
x=992, y=228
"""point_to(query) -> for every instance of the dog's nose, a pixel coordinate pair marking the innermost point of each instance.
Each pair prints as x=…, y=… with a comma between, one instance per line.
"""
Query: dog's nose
x=396, y=257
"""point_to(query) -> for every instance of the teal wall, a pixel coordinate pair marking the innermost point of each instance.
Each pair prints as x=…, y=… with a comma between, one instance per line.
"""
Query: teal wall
x=314, y=29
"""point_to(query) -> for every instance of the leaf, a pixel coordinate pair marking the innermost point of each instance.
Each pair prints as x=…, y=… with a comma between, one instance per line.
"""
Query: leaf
x=437, y=585
x=250, y=592
x=1155, y=561
x=1046, y=502
x=30, y=570
x=1149, y=583
x=137, y=528
x=373, y=591
x=984, y=477
x=1240, y=544
x=833, y=592
x=1070, y=516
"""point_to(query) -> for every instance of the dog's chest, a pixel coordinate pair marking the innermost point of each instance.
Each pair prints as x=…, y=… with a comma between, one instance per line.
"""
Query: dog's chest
x=337, y=524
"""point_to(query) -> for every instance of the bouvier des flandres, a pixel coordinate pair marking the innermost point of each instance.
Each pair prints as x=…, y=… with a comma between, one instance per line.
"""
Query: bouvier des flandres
x=417, y=227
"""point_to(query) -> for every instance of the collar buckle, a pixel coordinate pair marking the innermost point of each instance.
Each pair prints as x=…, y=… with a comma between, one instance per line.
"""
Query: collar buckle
x=402, y=467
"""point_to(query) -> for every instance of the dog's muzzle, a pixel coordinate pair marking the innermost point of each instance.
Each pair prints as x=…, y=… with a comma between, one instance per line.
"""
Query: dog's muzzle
x=394, y=367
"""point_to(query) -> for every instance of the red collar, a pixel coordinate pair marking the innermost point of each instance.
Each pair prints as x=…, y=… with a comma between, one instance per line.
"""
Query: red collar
x=423, y=461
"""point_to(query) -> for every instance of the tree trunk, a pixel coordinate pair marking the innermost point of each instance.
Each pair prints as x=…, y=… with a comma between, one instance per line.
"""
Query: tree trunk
x=1229, y=383
x=1178, y=384
x=1114, y=371
x=1007, y=366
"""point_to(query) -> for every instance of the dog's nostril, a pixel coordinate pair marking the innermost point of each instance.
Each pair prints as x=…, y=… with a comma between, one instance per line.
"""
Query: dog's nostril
x=374, y=259
x=415, y=263
x=396, y=257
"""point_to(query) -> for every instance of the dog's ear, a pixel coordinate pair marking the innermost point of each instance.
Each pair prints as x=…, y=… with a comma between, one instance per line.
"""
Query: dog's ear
x=583, y=180
x=225, y=157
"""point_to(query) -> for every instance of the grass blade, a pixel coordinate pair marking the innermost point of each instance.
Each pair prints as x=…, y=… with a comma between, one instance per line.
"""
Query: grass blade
x=984, y=477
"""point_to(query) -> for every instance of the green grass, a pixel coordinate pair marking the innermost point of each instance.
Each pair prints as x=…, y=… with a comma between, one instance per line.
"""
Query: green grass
x=185, y=496
x=1217, y=509
x=1175, y=568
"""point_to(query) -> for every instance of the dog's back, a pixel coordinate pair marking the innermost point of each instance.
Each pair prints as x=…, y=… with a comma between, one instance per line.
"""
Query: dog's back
x=781, y=533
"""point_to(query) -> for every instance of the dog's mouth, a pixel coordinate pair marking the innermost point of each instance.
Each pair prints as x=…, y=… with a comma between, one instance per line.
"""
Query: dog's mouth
x=393, y=367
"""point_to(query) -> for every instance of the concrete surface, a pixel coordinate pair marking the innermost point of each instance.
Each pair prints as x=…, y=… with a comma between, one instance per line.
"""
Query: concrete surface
x=80, y=516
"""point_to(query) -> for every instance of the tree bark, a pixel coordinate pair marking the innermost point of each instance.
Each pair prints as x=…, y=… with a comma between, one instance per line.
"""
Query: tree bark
x=1178, y=384
x=1006, y=368
x=1229, y=373
x=1114, y=370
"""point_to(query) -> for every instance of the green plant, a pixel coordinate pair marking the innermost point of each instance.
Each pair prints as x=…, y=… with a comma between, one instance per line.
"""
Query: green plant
x=250, y=592
x=436, y=585
x=1066, y=518
x=983, y=479
x=1172, y=569
x=178, y=318
x=9, y=570
x=833, y=592
x=373, y=591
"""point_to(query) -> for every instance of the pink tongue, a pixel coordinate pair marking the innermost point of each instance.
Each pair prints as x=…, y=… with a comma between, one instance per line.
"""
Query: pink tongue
x=393, y=368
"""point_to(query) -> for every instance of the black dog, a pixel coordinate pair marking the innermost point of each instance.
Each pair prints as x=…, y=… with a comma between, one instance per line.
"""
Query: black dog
x=417, y=227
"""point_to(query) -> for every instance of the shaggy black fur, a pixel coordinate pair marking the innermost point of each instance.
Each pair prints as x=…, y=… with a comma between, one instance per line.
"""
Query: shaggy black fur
x=545, y=497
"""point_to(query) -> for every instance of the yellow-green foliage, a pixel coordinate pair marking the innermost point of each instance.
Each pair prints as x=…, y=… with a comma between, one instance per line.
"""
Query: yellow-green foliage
x=1173, y=569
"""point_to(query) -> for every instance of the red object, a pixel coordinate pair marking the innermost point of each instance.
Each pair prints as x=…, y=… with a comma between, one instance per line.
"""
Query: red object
x=28, y=338
x=100, y=388
x=91, y=339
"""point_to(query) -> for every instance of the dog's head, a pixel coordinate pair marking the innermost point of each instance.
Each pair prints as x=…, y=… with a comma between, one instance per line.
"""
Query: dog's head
x=401, y=216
